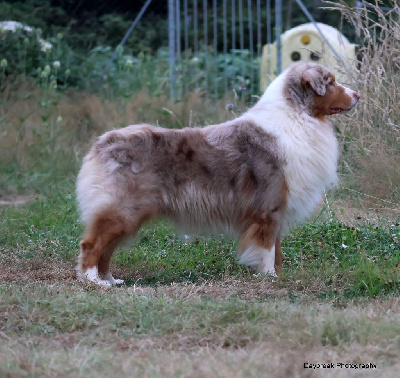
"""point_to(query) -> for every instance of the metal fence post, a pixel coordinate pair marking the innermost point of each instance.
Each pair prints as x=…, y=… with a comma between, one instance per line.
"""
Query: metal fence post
x=205, y=43
x=215, y=40
x=241, y=39
x=178, y=31
x=251, y=47
x=278, y=31
x=186, y=30
x=269, y=38
x=225, y=46
x=258, y=29
x=233, y=25
x=172, y=36
x=195, y=40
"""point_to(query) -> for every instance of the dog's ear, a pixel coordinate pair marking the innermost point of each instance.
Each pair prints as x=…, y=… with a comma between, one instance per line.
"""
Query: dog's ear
x=314, y=78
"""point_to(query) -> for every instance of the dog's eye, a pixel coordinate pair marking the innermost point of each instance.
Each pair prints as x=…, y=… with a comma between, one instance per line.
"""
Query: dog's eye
x=331, y=82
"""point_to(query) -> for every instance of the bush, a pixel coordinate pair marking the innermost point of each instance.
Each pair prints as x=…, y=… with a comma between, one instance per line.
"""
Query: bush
x=59, y=66
x=27, y=53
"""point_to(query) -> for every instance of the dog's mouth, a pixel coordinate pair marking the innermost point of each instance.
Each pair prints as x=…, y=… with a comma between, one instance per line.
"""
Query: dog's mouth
x=338, y=110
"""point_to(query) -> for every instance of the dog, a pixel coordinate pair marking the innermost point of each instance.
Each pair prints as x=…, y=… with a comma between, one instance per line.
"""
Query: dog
x=254, y=176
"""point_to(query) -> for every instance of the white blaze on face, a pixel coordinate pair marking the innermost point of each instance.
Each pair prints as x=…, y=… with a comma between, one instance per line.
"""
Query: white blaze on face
x=352, y=94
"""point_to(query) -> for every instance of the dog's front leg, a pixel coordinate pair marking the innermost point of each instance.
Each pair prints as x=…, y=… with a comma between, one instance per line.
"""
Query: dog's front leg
x=278, y=256
x=257, y=247
x=268, y=261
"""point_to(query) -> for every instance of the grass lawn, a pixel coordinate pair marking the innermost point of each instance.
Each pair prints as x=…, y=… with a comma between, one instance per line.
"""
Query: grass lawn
x=188, y=308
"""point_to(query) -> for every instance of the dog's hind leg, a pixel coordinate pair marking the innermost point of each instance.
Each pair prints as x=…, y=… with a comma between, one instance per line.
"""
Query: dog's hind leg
x=97, y=246
x=104, y=263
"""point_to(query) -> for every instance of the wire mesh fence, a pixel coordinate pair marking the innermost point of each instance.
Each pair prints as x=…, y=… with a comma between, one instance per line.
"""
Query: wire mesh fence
x=216, y=46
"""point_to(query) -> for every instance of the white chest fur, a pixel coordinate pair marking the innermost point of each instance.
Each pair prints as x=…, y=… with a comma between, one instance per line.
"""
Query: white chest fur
x=309, y=151
x=311, y=154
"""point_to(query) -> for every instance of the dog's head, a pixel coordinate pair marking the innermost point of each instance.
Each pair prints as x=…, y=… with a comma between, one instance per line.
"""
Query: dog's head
x=313, y=87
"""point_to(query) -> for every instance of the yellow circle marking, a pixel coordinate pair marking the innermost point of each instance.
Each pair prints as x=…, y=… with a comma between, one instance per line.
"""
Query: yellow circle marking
x=305, y=39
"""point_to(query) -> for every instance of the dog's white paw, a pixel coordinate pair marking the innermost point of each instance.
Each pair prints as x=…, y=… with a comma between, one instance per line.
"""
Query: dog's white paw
x=92, y=276
x=102, y=283
x=267, y=273
x=109, y=278
x=271, y=273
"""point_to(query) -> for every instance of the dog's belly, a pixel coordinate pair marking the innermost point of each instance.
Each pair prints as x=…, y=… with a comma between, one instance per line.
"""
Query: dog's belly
x=201, y=209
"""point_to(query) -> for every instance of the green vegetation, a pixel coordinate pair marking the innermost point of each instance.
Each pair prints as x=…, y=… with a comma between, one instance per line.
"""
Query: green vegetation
x=326, y=259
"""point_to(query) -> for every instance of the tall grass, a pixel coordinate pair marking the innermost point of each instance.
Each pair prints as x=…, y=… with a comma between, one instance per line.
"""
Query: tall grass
x=371, y=137
x=41, y=144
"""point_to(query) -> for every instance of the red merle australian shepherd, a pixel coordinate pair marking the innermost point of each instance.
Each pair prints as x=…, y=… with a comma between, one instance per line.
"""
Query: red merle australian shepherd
x=256, y=175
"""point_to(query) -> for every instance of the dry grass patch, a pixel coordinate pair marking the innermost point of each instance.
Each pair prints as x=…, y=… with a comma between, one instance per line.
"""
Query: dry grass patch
x=146, y=360
x=73, y=118
x=53, y=330
x=34, y=269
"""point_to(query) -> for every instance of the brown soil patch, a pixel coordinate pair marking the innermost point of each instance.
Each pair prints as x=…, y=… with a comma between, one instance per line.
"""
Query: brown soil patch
x=17, y=200
x=375, y=215
x=52, y=270
x=228, y=288
x=15, y=269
